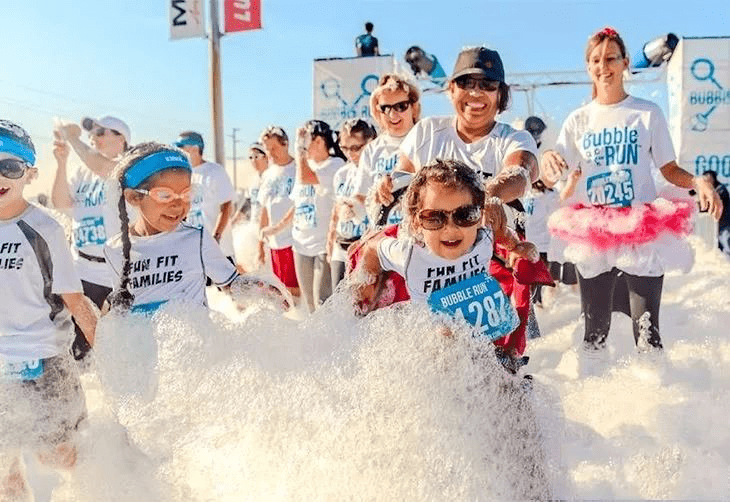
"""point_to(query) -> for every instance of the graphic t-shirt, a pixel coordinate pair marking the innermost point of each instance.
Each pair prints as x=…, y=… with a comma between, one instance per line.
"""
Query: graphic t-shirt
x=538, y=208
x=211, y=188
x=253, y=196
x=426, y=272
x=352, y=228
x=36, y=267
x=95, y=218
x=171, y=266
x=313, y=208
x=276, y=186
x=436, y=138
x=460, y=287
x=379, y=157
x=616, y=146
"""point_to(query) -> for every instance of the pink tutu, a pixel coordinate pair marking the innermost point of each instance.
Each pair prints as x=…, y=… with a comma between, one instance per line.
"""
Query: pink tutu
x=603, y=228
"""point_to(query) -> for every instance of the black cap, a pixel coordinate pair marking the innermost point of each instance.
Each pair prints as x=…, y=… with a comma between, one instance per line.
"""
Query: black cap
x=479, y=61
x=534, y=125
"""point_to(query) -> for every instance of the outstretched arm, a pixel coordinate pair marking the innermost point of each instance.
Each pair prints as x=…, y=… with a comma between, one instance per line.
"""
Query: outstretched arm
x=519, y=172
x=504, y=236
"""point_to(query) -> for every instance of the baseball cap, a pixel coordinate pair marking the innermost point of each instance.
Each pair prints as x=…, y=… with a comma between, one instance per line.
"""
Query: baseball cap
x=190, y=138
x=479, y=61
x=534, y=125
x=16, y=141
x=109, y=122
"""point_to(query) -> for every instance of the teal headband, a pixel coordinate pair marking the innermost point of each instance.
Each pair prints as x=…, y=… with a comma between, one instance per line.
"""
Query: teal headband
x=9, y=145
x=154, y=163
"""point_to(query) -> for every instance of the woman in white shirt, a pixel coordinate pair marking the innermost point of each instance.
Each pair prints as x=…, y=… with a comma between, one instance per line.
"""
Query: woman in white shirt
x=616, y=223
x=318, y=158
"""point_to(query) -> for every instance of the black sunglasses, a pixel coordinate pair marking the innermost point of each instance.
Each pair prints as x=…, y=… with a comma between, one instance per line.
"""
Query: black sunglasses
x=13, y=169
x=470, y=83
x=399, y=107
x=463, y=216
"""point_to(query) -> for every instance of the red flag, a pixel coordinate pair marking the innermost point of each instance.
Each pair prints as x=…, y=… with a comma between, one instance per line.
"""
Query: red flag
x=242, y=15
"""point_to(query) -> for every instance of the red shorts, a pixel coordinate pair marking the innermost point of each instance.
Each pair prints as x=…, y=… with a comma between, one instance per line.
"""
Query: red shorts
x=282, y=262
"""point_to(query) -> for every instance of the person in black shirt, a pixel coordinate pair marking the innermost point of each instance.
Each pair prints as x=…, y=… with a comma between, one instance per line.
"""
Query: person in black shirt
x=366, y=44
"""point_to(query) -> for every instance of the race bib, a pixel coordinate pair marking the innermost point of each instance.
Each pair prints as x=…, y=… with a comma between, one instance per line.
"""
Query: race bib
x=195, y=218
x=90, y=231
x=481, y=301
x=305, y=217
x=395, y=216
x=612, y=189
x=25, y=370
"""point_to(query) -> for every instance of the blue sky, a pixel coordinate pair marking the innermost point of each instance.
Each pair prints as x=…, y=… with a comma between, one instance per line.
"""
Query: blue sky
x=73, y=58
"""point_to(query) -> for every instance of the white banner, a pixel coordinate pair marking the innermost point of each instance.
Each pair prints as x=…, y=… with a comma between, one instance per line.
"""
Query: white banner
x=699, y=105
x=342, y=87
x=187, y=19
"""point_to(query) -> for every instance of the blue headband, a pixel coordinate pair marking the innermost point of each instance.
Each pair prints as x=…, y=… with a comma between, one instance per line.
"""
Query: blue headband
x=9, y=145
x=188, y=141
x=158, y=161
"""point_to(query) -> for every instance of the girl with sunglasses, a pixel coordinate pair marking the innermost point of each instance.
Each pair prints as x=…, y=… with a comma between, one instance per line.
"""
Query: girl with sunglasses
x=616, y=225
x=158, y=257
x=41, y=400
x=446, y=250
x=349, y=220
x=318, y=158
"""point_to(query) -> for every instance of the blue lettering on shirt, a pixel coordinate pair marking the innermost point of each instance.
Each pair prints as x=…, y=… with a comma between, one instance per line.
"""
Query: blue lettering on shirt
x=481, y=302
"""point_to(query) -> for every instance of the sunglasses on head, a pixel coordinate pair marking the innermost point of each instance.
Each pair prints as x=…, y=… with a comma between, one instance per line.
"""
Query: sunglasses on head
x=470, y=83
x=463, y=216
x=399, y=107
x=165, y=195
x=13, y=169
x=101, y=131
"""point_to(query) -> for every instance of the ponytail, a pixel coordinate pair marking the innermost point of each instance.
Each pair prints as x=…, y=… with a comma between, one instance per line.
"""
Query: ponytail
x=121, y=298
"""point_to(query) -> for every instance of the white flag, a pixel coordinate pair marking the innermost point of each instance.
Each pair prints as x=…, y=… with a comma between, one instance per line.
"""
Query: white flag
x=187, y=19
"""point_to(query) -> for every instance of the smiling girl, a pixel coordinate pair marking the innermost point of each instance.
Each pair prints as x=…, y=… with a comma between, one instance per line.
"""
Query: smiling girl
x=157, y=257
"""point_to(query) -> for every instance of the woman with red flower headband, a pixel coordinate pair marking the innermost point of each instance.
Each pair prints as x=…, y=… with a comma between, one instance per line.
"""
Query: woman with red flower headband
x=615, y=223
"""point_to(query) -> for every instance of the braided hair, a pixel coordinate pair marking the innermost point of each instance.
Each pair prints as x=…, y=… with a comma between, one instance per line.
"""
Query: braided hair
x=122, y=298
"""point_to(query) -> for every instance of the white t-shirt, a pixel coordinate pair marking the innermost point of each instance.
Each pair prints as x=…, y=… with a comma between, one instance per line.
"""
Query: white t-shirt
x=379, y=157
x=171, y=266
x=436, y=138
x=36, y=266
x=425, y=272
x=313, y=208
x=95, y=217
x=211, y=187
x=253, y=196
x=344, y=183
x=538, y=208
x=616, y=146
x=276, y=186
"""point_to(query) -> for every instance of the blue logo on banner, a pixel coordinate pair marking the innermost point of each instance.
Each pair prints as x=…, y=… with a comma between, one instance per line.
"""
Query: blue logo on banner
x=703, y=70
x=342, y=110
x=481, y=301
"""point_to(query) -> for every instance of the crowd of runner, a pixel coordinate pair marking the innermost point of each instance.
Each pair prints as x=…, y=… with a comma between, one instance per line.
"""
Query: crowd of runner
x=459, y=212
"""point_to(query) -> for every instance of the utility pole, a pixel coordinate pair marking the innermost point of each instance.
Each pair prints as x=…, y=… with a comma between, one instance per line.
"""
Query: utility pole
x=235, y=166
x=216, y=93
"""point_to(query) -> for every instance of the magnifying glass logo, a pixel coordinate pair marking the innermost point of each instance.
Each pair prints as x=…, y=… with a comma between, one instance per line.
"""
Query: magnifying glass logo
x=703, y=69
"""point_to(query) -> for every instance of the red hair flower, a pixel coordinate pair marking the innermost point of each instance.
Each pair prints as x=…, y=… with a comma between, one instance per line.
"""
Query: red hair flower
x=608, y=31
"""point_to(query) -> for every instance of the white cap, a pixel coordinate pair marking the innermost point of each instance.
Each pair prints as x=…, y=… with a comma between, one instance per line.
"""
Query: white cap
x=109, y=122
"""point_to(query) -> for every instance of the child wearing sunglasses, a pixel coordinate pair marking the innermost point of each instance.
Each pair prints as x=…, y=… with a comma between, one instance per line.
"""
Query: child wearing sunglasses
x=349, y=219
x=446, y=257
x=41, y=401
x=158, y=257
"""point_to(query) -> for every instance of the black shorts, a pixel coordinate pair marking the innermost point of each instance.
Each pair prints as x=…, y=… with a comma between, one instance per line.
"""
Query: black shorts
x=43, y=412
